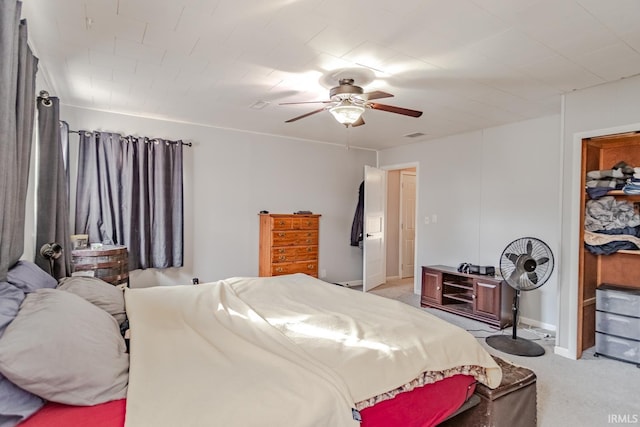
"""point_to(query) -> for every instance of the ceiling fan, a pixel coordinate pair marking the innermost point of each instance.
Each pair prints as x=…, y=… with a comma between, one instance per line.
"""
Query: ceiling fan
x=349, y=101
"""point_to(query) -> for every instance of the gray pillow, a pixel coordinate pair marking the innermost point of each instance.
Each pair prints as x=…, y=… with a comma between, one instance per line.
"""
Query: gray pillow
x=28, y=277
x=16, y=404
x=64, y=349
x=10, y=300
x=98, y=292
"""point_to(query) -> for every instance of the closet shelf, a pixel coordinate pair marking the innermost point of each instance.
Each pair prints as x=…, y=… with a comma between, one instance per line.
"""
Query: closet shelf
x=629, y=251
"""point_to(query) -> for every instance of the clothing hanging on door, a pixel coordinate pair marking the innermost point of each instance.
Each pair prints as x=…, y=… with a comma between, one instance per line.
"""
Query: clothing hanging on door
x=358, y=219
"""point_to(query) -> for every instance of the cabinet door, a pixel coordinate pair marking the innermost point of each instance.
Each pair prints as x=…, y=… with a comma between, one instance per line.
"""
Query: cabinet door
x=431, y=287
x=487, y=298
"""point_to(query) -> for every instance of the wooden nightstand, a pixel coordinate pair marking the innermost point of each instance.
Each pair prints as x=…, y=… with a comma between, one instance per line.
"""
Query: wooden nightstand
x=109, y=263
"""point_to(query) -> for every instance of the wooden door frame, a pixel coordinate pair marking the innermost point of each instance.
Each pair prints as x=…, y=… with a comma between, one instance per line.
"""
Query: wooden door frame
x=572, y=253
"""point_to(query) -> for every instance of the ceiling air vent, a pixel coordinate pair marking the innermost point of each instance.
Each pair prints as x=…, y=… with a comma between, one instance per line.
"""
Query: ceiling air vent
x=259, y=105
x=414, y=135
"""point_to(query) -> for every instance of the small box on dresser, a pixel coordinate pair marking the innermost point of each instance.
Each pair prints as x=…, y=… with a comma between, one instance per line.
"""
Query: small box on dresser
x=288, y=244
x=618, y=323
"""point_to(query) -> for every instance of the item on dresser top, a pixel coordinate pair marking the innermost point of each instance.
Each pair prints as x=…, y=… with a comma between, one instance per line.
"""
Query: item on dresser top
x=483, y=270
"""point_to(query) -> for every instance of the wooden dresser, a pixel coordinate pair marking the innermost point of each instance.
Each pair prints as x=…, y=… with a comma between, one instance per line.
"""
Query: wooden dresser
x=288, y=244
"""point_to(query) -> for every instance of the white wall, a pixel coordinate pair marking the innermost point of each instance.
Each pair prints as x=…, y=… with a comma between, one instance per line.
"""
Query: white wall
x=601, y=110
x=486, y=189
x=229, y=176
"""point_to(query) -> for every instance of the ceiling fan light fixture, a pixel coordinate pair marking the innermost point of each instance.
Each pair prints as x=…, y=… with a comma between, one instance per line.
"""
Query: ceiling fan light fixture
x=346, y=113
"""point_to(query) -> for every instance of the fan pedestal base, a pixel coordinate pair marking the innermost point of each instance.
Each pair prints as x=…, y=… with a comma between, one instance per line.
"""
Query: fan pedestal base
x=517, y=346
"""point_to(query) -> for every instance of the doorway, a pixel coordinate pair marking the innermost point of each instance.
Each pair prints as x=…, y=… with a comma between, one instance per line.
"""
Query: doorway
x=401, y=223
x=389, y=242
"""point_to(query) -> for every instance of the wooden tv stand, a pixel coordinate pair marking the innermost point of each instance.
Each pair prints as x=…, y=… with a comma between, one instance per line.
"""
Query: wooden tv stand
x=485, y=298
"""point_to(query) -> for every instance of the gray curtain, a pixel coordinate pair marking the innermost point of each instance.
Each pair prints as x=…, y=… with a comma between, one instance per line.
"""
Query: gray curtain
x=17, y=96
x=52, y=198
x=129, y=192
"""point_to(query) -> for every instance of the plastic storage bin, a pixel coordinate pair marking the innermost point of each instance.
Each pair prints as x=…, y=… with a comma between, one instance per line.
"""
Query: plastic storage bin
x=618, y=300
x=618, y=348
x=615, y=324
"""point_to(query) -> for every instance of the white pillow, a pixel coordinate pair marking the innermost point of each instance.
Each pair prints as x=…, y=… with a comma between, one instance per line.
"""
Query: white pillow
x=98, y=292
x=64, y=349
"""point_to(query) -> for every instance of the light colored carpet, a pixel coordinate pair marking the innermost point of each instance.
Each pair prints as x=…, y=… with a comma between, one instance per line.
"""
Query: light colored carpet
x=592, y=391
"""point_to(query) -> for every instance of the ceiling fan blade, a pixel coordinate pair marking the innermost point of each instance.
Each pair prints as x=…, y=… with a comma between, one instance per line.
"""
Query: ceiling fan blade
x=376, y=94
x=358, y=122
x=392, y=109
x=305, y=115
x=305, y=102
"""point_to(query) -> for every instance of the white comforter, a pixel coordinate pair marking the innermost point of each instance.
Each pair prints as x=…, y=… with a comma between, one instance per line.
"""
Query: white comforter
x=280, y=351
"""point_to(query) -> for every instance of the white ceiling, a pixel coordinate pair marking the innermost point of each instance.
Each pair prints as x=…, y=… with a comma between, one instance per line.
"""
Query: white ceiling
x=468, y=64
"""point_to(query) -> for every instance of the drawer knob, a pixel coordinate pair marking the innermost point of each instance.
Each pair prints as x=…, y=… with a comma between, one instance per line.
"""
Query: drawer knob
x=310, y=266
x=308, y=240
x=309, y=249
x=281, y=222
x=281, y=250
x=281, y=234
x=279, y=270
x=282, y=257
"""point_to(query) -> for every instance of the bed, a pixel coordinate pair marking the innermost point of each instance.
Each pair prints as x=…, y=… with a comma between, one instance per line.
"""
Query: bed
x=287, y=350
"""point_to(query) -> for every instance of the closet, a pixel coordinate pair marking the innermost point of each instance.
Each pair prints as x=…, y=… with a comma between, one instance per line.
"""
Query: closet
x=622, y=268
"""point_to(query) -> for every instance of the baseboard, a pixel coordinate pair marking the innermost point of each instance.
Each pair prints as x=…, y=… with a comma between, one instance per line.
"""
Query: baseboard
x=564, y=352
x=538, y=324
x=390, y=278
x=350, y=283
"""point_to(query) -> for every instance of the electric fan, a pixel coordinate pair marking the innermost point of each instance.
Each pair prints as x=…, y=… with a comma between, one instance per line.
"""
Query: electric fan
x=525, y=264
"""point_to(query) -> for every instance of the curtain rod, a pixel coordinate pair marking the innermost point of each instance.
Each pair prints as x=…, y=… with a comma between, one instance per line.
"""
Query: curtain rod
x=188, y=144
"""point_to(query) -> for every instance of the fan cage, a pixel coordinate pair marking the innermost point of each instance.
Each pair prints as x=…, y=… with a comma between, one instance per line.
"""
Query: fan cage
x=539, y=250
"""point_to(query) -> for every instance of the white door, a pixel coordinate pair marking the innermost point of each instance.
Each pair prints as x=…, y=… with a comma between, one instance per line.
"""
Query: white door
x=374, y=262
x=407, y=223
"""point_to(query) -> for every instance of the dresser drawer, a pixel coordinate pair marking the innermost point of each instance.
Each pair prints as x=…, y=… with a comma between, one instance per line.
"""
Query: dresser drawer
x=294, y=238
x=282, y=223
x=618, y=301
x=615, y=324
x=306, y=223
x=296, y=267
x=619, y=348
x=284, y=254
x=307, y=253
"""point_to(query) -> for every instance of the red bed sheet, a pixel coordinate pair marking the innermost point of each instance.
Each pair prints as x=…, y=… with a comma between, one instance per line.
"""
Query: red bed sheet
x=422, y=407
